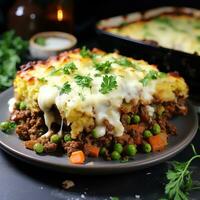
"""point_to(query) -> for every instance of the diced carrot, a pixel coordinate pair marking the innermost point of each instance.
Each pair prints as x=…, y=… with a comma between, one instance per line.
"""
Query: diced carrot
x=30, y=143
x=158, y=142
x=139, y=128
x=137, y=138
x=92, y=150
x=77, y=157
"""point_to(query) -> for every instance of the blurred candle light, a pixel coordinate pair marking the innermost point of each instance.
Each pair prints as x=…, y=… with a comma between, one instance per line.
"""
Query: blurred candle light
x=59, y=16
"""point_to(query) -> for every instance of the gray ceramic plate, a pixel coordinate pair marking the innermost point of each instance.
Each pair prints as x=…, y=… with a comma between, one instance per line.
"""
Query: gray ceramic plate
x=186, y=128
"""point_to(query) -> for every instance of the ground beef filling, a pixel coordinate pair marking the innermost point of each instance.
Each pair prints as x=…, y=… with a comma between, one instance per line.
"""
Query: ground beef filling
x=31, y=126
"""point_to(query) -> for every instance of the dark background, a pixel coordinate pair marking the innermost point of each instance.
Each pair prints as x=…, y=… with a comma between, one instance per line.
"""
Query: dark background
x=87, y=12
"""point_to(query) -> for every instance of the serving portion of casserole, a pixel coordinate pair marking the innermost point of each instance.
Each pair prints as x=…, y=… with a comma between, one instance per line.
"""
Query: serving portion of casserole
x=180, y=32
x=92, y=103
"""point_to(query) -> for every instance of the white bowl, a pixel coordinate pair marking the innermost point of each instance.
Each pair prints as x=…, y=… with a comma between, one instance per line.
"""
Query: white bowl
x=42, y=52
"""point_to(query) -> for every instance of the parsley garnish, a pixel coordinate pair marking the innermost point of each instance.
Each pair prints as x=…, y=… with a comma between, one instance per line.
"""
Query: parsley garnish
x=198, y=38
x=69, y=68
x=42, y=80
x=180, y=180
x=66, y=88
x=83, y=81
x=104, y=67
x=109, y=83
x=152, y=75
x=55, y=71
x=123, y=61
x=85, y=52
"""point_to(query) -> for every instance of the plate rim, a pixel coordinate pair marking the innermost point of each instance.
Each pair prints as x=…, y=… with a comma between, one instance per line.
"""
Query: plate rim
x=110, y=167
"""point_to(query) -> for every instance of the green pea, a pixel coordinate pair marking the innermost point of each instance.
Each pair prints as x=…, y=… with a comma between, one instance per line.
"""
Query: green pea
x=7, y=126
x=136, y=119
x=115, y=155
x=118, y=147
x=146, y=147
x=147, y=134
x=55, y=138
x=94, y=133
x=22, y=105
x=128, y=120
x=156, y=129
x=67, y=138
x=102, y=151
x=131, y=150
x=38, y=148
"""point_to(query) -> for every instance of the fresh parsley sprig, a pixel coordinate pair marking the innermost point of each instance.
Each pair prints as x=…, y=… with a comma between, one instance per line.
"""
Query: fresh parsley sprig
x=83, y=81
x=179, y=178
x=69, y=68
x=152, y=75
x=85, y=52
x=123, y=61
x=109, y=83
x=104, y=67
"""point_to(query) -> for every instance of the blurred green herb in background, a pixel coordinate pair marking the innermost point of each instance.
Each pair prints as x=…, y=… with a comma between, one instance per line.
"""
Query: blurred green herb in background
x=12, y=47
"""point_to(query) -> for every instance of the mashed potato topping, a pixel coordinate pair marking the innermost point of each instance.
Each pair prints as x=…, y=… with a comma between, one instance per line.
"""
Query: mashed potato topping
x=88, y=87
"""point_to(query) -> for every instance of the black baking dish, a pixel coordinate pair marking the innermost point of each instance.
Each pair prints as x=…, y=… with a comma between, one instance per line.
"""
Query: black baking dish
x=188, y=65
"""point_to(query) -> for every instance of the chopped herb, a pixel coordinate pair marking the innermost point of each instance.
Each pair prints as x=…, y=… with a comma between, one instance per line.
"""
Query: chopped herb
x=152, y=75
x=197, y=26
x=97, y=75
x=69, y=68
x=179, y=180
x=124, y=62
x=7, y=126
x=124, y=23
x=198, y=38
x=66, y=88
x=104, y=67
x=109, y=83
x=81, y=96
x=42, y=80
x=85, y=52
x=83, y=81
x=168, y=22
x=55, y=71
x=41, y=41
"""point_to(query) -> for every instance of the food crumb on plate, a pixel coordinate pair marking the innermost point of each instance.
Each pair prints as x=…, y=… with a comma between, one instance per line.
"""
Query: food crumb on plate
x=67, y=184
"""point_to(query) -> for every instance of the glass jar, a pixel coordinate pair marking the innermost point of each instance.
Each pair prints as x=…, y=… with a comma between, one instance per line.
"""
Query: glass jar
x=25, y=17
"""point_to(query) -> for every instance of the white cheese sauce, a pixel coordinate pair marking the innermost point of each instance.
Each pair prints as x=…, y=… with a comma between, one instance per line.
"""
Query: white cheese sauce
x=11, y=104
x=92, y=102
